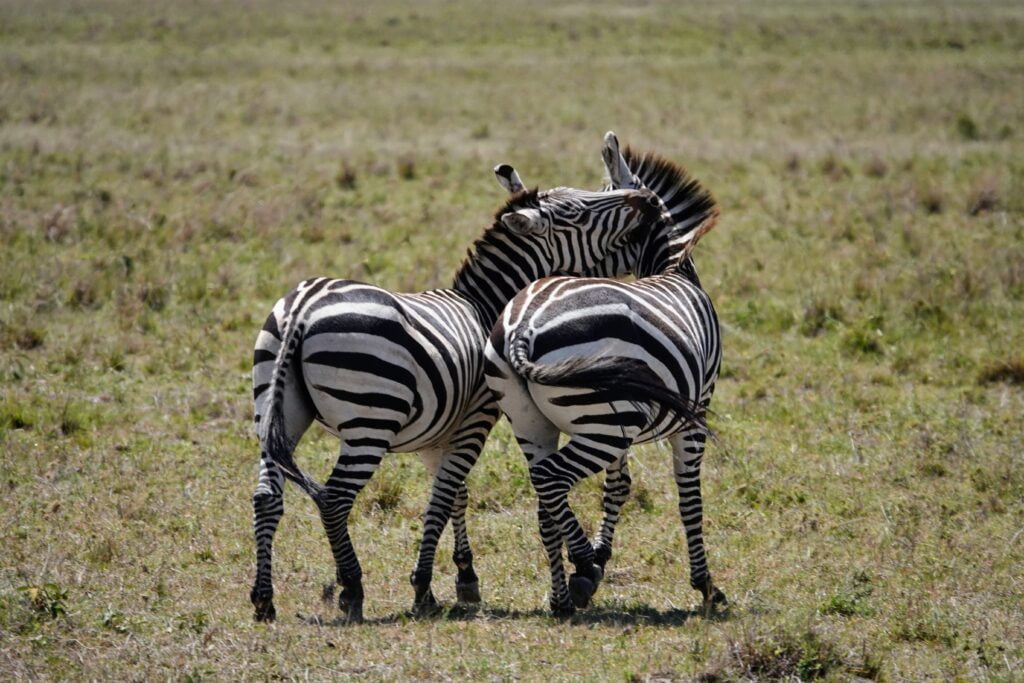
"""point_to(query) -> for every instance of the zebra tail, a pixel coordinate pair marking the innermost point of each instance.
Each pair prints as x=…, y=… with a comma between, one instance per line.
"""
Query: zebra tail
x=628, y=379
x=274, y=438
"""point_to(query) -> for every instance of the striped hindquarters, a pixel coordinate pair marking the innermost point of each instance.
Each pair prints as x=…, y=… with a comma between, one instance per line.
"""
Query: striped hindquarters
x=590, y=342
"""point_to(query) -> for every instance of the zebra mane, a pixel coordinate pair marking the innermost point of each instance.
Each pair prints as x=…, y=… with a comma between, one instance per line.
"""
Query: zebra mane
x=689, y=203
x=525, y=199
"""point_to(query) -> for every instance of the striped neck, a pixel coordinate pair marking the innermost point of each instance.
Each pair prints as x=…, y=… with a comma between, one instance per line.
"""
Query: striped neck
x=498, y=265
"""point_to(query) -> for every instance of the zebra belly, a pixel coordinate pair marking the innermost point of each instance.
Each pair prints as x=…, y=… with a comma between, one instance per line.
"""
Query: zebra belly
x=352, y=404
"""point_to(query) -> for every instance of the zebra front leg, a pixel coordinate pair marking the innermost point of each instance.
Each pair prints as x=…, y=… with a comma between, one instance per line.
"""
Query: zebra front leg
x=356, y=464
x=268, y=508
x=688, y=451
x=616, y=492
x=552, y=478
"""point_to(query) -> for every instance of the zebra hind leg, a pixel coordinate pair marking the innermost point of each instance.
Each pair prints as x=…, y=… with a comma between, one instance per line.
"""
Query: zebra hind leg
x=355, y=466
x=467, y=583
x=268, y=507
x=467, y=444
x=551, y=537
x=552, y=478
x=617, y=483
x=688, y=451
x=448, y=499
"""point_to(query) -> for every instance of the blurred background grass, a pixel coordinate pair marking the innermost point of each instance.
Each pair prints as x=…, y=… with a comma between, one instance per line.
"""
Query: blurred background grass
x=167, y=171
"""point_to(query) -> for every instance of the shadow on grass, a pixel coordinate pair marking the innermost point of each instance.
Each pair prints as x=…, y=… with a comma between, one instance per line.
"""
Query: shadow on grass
x=611, y=614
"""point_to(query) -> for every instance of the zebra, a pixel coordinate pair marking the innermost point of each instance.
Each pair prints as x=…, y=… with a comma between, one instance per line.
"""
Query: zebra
x=394, y=372
x=622, y=262
x=612, y=364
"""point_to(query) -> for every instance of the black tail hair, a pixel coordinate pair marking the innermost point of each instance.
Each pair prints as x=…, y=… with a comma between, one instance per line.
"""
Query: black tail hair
x=274, y=438
x=628, y=379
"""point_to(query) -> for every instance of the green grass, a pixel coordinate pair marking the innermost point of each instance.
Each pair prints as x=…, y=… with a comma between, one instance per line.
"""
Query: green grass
x=166, y=172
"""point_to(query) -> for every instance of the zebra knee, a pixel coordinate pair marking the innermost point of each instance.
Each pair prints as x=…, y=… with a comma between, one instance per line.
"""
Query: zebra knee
x=264, y=500
x=549, y=483
x=333, y=499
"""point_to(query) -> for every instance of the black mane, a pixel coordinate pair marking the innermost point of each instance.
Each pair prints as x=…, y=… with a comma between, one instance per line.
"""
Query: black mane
x=688, y=202
x=526, y=199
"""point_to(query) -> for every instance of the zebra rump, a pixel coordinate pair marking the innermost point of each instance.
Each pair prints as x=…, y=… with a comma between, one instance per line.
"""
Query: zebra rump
x=612, y=378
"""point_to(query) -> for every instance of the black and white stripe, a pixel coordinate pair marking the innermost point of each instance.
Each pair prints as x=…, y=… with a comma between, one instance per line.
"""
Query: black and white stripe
x=612, y=364
x=388, y=372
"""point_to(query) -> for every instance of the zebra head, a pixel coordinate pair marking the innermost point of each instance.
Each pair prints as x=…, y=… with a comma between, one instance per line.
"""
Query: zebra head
x=623, y=259
x=578, y=228
x=689, y=209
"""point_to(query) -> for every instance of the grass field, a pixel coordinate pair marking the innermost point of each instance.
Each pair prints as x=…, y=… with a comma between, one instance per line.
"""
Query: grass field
x=168, y=170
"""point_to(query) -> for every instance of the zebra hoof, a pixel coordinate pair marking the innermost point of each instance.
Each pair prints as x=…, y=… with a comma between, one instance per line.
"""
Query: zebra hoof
x=353, y=613
x=426, y=606
x=582, y=588
x=263, y=602
x=265, y=611
x=562, y=611
x=468, y=593
x=351, y=608
x=716, y=600
x=602, y=554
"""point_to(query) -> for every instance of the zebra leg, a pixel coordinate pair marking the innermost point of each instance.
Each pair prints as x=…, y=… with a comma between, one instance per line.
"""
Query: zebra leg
x=552, y=477
x=537, y=438
x=688, y=451
x=616, y=491
x=267, y=500
x=447, y=484
x=358, y=461
x=551, y=537
x=448, y=499
x=268, y=508
x=467, y=583
x=468, y=443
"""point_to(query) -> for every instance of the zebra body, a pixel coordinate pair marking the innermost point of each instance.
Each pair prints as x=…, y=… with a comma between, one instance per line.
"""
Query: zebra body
x=612, y=364
x=390, y=372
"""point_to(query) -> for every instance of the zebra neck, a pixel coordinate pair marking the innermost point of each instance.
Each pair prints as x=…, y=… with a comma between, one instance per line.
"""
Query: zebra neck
x=662, y=252
x=494, y=272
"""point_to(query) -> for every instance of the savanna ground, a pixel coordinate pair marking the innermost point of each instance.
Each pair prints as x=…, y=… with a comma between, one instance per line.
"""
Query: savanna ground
x=167, y=171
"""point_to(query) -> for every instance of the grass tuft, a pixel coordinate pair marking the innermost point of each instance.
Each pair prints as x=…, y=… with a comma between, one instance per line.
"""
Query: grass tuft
x=967, y=128
x=876, y=167
x=984, y=196
x=346, y=178
x=406, y=167
x=931, y=200
x=780, y=655
x=1007, y=372
x=48, y=600
x=851, y=599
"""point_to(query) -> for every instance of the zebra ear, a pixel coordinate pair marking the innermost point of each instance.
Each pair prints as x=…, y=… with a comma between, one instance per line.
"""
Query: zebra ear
x=618, y=170
x=523, y=222
x=508, y=178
